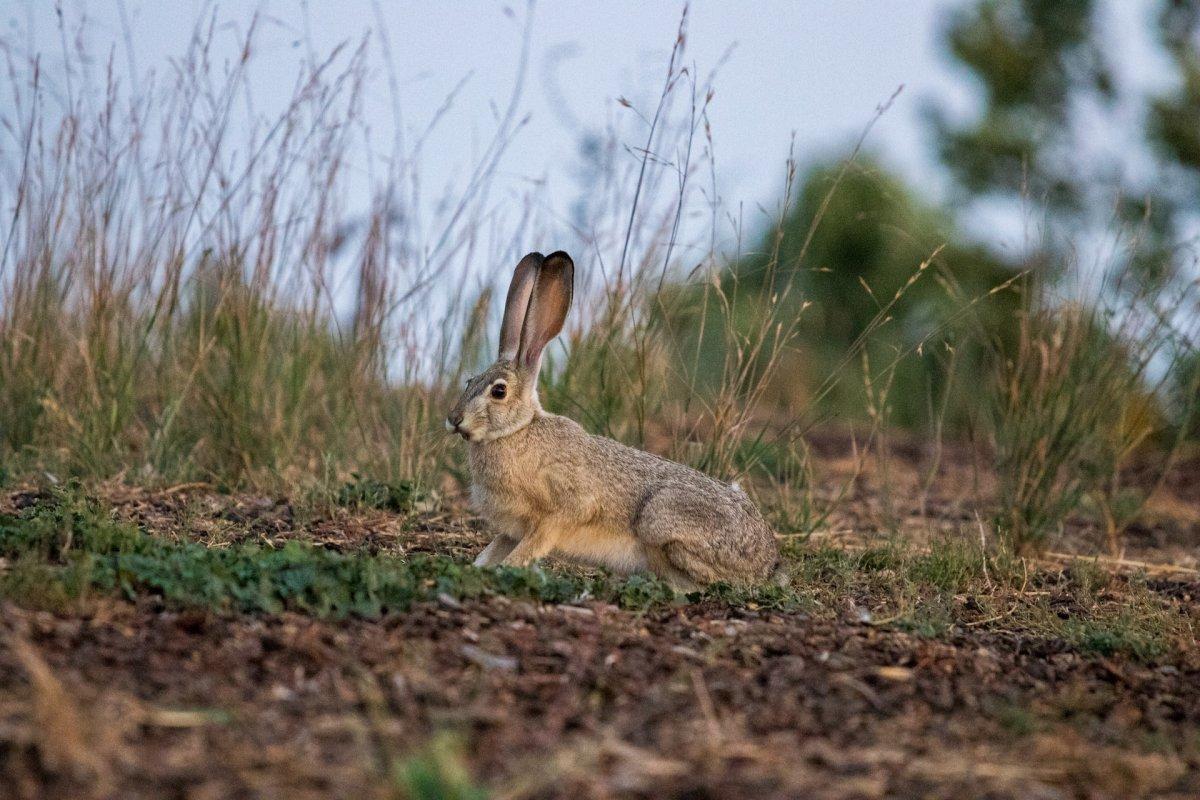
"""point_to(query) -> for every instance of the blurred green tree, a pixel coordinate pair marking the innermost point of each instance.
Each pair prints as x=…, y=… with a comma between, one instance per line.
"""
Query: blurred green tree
x=877, y=333
x=1062, y=132
x=1032, y=60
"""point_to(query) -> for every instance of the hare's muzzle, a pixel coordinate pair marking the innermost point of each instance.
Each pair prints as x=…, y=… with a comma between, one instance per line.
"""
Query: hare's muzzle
x=454, y=423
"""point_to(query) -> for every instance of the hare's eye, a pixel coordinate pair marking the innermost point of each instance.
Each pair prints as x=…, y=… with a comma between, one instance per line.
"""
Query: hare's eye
x=499, y=391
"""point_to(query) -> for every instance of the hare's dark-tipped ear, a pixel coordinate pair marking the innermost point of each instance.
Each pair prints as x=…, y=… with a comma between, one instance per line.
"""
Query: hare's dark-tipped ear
x=516, y=305
x=548, y=307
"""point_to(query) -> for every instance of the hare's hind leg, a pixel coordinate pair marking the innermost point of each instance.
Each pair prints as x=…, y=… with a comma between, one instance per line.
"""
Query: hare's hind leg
x=680, y=529
x=664, y=567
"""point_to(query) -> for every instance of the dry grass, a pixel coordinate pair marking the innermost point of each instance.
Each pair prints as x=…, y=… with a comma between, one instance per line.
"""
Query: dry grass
x=65, y=739
x=1087, y=389
x=74, y=737
x=179, y=305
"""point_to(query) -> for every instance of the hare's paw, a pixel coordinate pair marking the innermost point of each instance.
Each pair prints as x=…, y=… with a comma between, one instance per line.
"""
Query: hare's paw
x=495, y=552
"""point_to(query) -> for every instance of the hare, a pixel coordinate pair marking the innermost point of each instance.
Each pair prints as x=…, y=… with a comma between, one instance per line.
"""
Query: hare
x=545, y=485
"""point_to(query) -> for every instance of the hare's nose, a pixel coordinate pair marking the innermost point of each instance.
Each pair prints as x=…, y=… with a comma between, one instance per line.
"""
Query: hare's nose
x=453, y=421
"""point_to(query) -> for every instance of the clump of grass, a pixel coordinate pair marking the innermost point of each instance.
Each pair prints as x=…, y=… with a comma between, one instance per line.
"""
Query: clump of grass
x=932, y=618
x=181, y=302
x=1049, y=423
x=952, y=566
x=1088, y=577
x=955, y=584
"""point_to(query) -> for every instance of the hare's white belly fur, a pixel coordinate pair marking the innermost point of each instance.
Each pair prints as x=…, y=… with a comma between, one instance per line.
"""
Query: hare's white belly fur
x=605, y=547
x=513, y=509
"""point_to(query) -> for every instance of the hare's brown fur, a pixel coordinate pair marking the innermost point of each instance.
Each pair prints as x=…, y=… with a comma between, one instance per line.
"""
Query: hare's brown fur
x=545, y=485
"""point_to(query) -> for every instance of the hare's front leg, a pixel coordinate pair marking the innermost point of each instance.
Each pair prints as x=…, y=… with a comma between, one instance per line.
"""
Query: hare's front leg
x=540, y=540
x=495, y=552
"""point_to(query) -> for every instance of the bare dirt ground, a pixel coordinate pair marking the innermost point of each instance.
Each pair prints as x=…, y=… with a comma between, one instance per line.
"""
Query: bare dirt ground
x=128, y=698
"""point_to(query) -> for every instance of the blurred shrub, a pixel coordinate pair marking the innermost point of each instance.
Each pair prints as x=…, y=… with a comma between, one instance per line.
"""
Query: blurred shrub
x=880, y=282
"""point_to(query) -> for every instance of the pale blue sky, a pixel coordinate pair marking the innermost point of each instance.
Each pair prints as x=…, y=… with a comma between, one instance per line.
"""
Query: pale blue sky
x=814, y=69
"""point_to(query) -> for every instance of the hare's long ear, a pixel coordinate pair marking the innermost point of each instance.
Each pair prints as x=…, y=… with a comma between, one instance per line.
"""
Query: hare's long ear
x=516, y=305
x=547, y=308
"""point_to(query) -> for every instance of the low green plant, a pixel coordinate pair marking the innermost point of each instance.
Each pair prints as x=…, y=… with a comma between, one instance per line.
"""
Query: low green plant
x=65, y=549
x=401, y=497
x=1127, y=633
x=932, y=618
x=951, y=566
x=437, y=772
